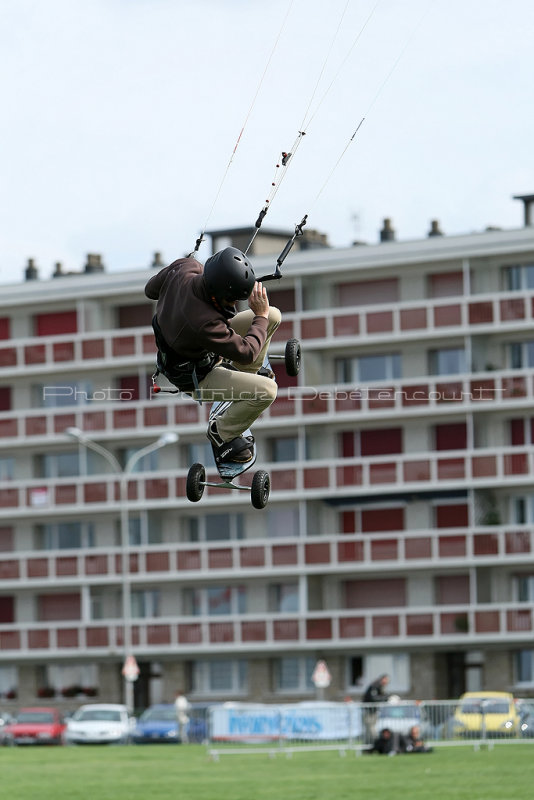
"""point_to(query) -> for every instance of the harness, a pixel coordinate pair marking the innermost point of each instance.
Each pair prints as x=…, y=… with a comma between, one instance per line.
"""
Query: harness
x=185, y=375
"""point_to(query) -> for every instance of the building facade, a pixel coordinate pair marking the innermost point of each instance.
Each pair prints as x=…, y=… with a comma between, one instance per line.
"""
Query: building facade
x=399, y=536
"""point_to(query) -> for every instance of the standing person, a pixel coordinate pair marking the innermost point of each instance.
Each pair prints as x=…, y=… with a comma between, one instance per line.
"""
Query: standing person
x=209, y=350
x=182, y=706
x=375, y=693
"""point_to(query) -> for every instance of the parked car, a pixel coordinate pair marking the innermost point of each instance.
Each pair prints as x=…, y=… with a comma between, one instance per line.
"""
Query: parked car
x=5, y=719
x=526, y=716
x=35, y=726
x=486, y=714
x=157, y=724
x=100, y=723
x=399, y=717
x=197, y=730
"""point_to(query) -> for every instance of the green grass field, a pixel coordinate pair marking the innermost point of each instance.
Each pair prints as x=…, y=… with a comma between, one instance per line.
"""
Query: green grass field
x=151, y=772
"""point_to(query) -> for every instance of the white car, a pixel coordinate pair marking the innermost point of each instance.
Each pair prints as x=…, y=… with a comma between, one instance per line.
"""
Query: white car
x=100, y=723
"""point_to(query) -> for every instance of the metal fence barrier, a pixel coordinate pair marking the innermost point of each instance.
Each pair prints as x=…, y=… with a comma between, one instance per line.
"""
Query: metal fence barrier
x=350, y=726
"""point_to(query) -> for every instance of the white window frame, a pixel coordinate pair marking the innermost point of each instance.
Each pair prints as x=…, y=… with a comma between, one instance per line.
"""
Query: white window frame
x=202, y=672
x=305, y=666
x=392, y=371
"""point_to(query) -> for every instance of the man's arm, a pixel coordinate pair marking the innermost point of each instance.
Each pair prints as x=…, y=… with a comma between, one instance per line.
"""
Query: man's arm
x=153, y=287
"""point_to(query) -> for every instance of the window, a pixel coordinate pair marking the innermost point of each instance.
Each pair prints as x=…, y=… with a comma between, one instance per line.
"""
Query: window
x=216, y=601
x=106, y=604
x=7, y=468
x=284, y=448
x=68, y=678
x=61, y=394
x=525, y=666
x=397, y=666
x=519, y=277
x=220, y=675
x=59, y=465
x=146, y=603
x=200, y=454
x=283, y=597
x=521, y=355
x=148, y=463
x=525, y=588
x=448, y=361
x=65, y=535
x=8, y=682
x=143, y=529
x=367, y=369
x=283, y=522
x=215, y=527
x=294, y=674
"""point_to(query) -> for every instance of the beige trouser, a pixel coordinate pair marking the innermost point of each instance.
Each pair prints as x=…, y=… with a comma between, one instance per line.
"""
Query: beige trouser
x=251, y=393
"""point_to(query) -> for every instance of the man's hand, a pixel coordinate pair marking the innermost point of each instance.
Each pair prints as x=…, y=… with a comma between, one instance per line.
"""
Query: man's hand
x=258, y=300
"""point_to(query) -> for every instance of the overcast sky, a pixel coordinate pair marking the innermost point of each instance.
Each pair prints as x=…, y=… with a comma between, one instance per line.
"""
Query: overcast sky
x=119, y=118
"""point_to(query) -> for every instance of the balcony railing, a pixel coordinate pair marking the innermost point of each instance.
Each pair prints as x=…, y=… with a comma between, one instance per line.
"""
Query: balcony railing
x=295, y=405
x=457, y=625
x=293, y=556
x=404, y=320
x=347, y=477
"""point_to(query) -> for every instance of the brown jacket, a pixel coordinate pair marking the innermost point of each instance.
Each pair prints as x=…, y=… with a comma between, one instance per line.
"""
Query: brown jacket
x=189, y=321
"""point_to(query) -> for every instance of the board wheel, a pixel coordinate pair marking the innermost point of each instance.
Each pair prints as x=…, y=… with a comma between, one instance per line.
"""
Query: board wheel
x=292, y=357
x=195, y=483
x=260, y=489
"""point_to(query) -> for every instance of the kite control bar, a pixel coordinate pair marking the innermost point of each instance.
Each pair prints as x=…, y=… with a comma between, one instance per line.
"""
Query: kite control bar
x=277, y=274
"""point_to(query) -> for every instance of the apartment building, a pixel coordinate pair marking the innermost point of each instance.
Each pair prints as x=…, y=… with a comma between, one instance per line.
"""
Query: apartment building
x=399, y=533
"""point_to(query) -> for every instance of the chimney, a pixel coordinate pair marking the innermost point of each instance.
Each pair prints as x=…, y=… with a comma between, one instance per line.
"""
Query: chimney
x=94, y=263
x=157, y=261
x=435, y=230
x=527, y=200
x=387, y=234
x=58, y=271
x=31, y=272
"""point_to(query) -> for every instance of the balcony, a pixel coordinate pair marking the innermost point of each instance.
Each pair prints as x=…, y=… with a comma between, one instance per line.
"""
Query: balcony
x=320, y=478
x=503, y=390
x=455, y=316
x=271, y=558
x=45, y=354
x=420, y=627
x=408, y=320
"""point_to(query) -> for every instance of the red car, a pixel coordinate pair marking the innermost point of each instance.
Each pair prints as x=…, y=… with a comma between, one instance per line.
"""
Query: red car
x=35, y=726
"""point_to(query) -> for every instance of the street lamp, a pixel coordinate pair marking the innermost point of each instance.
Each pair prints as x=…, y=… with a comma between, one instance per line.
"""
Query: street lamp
x=123, y=473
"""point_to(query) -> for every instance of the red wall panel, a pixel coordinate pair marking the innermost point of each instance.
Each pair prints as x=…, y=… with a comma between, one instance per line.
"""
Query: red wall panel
x=381, y=441
x=55, y=323
x=453, y=515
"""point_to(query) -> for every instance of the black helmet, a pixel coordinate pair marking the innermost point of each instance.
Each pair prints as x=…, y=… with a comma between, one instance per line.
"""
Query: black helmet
x=229, y=276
